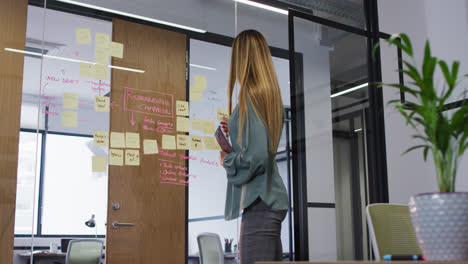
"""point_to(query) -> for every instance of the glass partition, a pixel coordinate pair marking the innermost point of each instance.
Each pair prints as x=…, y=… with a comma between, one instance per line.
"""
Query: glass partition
x=335, y=100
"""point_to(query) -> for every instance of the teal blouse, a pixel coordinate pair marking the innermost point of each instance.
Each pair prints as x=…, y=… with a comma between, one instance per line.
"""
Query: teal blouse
x=251, y=169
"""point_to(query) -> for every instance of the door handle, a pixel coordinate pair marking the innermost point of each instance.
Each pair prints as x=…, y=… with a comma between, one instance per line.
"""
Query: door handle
x=116, y=224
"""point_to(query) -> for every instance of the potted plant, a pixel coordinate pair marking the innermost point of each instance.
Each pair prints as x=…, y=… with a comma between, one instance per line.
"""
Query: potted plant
x=440, y=219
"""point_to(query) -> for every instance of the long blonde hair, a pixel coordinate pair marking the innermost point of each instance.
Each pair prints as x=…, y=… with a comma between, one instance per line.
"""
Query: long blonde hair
x=252, y=66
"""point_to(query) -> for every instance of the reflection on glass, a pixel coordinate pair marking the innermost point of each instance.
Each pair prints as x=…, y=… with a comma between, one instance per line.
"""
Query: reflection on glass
x=27, y=186
x=72, y=193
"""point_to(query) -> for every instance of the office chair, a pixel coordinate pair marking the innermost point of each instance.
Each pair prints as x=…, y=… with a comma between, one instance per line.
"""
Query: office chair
x=391, y=230
x=211, y=251
x=84, y=251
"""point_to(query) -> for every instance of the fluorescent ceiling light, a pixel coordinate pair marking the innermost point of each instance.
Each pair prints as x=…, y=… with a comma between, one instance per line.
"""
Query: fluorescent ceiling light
x=357, y=130
x=267, y=7
x=132, y=15
x=71, y=60
x=203, y=67
x=349, y=90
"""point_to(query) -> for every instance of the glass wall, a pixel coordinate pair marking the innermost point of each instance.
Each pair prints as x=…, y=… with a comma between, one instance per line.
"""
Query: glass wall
x=63, y=173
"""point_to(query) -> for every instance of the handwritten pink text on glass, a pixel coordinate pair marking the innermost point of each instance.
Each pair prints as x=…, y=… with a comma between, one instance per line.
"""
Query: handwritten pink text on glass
x=148, y=102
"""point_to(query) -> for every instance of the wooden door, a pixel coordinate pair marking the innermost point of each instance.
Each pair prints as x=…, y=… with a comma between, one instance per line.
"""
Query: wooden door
x=13, y=29
x=144, y=103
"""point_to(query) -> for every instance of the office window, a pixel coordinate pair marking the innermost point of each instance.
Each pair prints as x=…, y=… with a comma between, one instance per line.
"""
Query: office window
x=72, y=193
x=26, y=198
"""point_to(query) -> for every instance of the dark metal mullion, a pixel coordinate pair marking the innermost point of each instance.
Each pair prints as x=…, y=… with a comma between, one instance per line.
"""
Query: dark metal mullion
x=378, y=182
x=320, y=205
x=187, y=152
x=356, y=194
x=41, y=172
x=288, y=172
x=301, y=243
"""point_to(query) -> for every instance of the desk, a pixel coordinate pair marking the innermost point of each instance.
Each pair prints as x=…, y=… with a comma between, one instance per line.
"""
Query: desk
x=55, y=258
x=363, y=262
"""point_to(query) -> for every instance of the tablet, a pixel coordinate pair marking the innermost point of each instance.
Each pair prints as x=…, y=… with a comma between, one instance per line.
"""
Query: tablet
x=222, y=140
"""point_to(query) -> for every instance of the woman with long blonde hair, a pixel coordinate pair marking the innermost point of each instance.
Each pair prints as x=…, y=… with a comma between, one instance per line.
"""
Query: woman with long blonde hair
x=255, y=125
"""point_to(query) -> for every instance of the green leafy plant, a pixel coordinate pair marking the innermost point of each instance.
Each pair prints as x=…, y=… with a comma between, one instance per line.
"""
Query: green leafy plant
x=443, y=133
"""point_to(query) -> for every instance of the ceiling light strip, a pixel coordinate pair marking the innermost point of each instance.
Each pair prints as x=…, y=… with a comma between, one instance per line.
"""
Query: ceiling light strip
x=203, y=67
x=349, y=90
x=267, y=7
x=132, y=15
x=71, y=60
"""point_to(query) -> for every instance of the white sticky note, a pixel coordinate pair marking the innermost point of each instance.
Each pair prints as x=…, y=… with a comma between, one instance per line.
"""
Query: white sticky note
x=116, y=157
x=99, y=163
x=101, y=138
x=132, y=157
x=70, y=100
x=183, y=142
x=101, y=55
x=116, y=49
x=182, y=108
x=150, y=146
x=102, y=40
x=117, y=140
x=83, y=36
x=101, y=72
x=69, y=119
x=168, y=142
x=101, y=103
x=196, y=143
x=132, y=140
x=183, y=124
x=86, y=70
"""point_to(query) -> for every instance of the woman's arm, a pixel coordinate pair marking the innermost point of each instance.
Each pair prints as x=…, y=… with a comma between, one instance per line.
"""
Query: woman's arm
x=251, y=160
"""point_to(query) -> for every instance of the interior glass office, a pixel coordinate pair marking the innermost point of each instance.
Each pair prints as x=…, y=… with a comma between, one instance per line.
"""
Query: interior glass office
x=61, y=183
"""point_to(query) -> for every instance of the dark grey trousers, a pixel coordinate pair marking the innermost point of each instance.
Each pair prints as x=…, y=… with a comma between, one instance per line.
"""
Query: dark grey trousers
x=260, y=238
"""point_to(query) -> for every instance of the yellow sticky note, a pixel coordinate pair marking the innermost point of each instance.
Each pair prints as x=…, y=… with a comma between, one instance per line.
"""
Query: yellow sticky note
x=222, y=113
x=208, y=127
x=182, y=108
x=99, y=163
x=197, y=124
x=183, y=142
x=86, y=70
x=69, y=119
x=101, y=40
x=200, y=81
x=101, y=138
x=83, y=36
x=116, y=49
x=196, y=94
x=101, y=55
x=210, y=143
x=101, y=72
x=168, y=142
x=132, y=157
x=116, y=157
x=101, y=103
x=150, y=146
x=132, y=140
x=196, y=143
x=117, y=140
x=70, y=100
x=183, y=124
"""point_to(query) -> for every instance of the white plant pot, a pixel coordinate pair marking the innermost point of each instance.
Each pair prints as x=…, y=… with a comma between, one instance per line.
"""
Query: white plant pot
x=440, y=222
